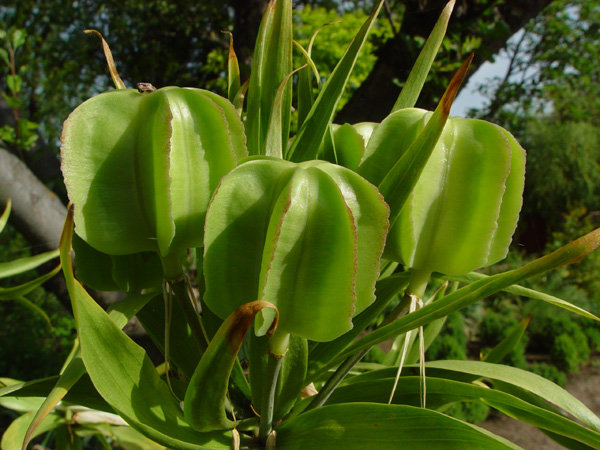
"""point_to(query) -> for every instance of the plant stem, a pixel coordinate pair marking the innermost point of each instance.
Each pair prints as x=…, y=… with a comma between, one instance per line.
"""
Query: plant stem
x=343, y=370
x=418, y=283
x=268, y=397
x=180, y=290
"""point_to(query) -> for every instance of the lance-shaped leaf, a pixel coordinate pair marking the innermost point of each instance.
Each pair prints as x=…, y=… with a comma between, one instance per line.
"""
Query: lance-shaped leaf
x=308, y=140
x=140, y=168
x=316, y=234
x=120, y=313
x=357, y=426
x=11, y=268
x=418, y=74
x=5, y=215
x=12, y=439
x=530, y=293
x=204, y=403
x=272, y=62
x=468, y=295
x=441, y=392
x=25, y=288
x=123, y=373
x=233, y=71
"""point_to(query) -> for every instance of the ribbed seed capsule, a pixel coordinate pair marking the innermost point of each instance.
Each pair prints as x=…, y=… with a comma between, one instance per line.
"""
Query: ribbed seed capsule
x=141, y=168
x=306, y=237
x=464, y=209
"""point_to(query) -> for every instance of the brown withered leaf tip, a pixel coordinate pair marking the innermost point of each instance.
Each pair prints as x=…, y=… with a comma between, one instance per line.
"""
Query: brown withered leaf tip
x=243, y=317
x=454, y=85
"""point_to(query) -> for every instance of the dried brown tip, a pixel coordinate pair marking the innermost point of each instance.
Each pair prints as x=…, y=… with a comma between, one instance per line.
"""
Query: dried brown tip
x=454, y=85
x=109, y=60
x=231, y=51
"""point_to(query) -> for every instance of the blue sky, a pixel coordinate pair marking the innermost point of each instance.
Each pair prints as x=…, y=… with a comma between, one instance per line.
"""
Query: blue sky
x=469, y=97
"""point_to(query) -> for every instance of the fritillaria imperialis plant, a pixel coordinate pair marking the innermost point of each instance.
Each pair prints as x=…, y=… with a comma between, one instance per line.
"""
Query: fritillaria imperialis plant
x=289, y=254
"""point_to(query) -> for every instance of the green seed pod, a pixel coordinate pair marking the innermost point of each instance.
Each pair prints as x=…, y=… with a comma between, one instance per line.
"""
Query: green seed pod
x=141, y=168
x=306, y=237
x=464, y=209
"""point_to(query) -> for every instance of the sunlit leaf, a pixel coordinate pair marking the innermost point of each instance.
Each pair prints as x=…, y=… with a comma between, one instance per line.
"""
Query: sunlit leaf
x=5, y=214
x=204, y=403
x=358, y=426
x=123, y=373
x=418, y=74
x=530, y=293
x=308, y=140
x=11, y=268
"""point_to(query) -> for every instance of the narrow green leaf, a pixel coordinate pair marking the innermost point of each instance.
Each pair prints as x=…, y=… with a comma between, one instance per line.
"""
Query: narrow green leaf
x=272, y=62
x=11, y=268
x=418, y=74
x=528, y=381
x=507, y=344
x=238, y=99
x=526, y=292
x=67, y=380
x=233, y=72
x=274, y=144
x=467, y=295
x=33, y=307
x=204, y=403
x=401, y=179
x=26, y=288
x=307, y=60
x=123, y=373
x=120, y=313
x=20, y=404
x=441, y=392
x=5, y=214
x=83, y=392
x=15, y=433
x=359, y=426
x=130, y=439
x=308, y=140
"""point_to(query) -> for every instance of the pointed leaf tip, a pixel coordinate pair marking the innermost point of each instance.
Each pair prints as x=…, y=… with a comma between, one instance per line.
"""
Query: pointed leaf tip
x=454, y=86
x=109, y=60
x=581, y=247
x=5, y=214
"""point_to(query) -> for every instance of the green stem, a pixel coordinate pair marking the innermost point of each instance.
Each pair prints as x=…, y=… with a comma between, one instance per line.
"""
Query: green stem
x=180, y=290
x=335, y=379
x=418, y=283
x=268, y=397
